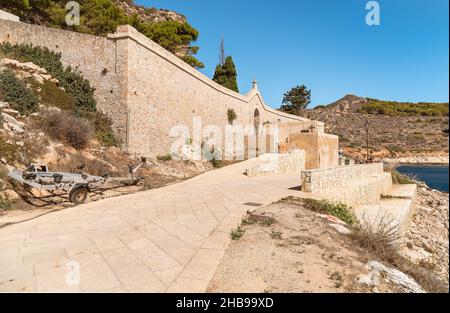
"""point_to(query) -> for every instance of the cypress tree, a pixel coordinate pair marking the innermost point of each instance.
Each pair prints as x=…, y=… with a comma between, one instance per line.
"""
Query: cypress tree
x=226, y=74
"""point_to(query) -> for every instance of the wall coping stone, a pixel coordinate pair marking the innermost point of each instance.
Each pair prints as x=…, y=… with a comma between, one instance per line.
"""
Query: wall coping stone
x=129, y=32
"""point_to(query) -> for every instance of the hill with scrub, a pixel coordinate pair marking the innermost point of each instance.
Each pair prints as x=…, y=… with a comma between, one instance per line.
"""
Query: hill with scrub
x=395, y=129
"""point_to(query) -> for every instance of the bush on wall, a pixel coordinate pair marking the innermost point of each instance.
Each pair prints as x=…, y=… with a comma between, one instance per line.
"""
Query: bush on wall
x=231, y=115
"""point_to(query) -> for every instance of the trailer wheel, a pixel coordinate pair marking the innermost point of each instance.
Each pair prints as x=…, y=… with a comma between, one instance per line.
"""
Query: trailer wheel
x=78, y=195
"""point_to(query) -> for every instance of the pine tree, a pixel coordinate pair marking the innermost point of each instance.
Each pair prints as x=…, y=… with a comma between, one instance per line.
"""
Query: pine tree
x=226, y=75
x=296, y=99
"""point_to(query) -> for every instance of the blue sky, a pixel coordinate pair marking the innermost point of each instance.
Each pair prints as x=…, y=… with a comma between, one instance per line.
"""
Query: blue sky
x=326, y=45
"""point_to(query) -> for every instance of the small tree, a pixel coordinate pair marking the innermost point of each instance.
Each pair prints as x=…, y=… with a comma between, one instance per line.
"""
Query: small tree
x=226, y=74
x=231, y=114
x=296, y=100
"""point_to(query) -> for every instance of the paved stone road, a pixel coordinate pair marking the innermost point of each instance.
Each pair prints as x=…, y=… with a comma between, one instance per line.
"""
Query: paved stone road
x=163, y=240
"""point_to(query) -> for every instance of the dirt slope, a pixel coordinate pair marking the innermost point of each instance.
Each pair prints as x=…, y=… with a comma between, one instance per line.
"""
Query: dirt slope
x=301, y=251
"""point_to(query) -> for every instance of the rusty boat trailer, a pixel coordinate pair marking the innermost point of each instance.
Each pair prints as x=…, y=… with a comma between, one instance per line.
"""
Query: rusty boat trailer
x=75, y=186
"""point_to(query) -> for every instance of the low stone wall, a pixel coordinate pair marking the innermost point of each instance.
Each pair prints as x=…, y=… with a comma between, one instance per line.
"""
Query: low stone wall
x=320, y=180
x=367, y=191
x=8, y=16
x=355, y=185
x=277, y=164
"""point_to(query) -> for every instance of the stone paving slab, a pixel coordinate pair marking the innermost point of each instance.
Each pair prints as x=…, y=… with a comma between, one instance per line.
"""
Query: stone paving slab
x=162, y=240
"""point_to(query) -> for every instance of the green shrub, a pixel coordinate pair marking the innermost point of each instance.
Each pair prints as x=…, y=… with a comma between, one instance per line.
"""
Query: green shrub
x=339, y=209
x=401, y=179
x=15, y=92
x=78, y=96
x=5, y=203
x=231, y=115
x=393, y=108
x=70, y=79
x=394, y=148
x=276, y=234
x=102, y=125
x=52, y=96
x=237, y=233
x=216, y=163
x=166, y=157
x=8, y=151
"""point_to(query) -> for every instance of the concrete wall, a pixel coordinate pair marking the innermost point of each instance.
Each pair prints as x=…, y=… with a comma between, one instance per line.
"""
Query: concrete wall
x=322, y=149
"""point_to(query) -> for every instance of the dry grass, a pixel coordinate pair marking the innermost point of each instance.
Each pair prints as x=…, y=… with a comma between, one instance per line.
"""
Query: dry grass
x=381, y=236
x=66, y=127
x=383, y=240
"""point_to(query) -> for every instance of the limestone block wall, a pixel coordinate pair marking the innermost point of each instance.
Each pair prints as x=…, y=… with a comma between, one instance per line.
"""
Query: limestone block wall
x=354, y=185
x=164, y=92
x=276, y=164
x=368, y=192
x=101, y=60
x=324, y=179
x=147, y=91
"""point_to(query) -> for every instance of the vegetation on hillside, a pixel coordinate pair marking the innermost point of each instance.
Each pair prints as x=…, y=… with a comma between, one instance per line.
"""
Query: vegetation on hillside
x=226, y=74
x=16, y=93
x=296, y=99
x=393, y=108
x=100, y=17
x=405, y=128
x=77, y=97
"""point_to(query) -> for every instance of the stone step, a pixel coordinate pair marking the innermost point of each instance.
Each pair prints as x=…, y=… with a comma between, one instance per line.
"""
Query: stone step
x=392, y=213
x=401, y=191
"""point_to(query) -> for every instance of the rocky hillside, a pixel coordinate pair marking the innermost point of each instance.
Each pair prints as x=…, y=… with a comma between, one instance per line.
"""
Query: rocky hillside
x=150, y=15
x=392, y=133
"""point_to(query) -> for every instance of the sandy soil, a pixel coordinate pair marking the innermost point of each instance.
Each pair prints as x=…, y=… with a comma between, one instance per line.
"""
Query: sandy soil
x=300, y=252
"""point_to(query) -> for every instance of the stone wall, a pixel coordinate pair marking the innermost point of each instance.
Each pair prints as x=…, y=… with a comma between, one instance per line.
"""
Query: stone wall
x=165, y=91
x=101, y=60
x=355, y=185
x=277, y=164
x=324, y=179
x=147, y=91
